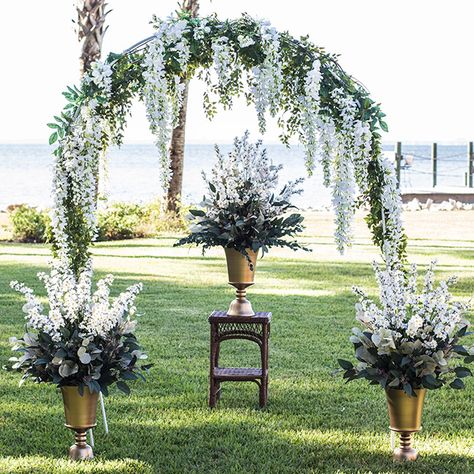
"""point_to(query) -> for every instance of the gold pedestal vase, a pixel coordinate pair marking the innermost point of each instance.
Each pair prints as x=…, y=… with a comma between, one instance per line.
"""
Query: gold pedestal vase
x=405, y=418
x=80, y=411
x=241, y=276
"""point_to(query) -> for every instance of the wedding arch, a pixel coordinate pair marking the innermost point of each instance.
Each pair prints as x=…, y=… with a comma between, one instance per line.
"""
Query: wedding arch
x=300, y=84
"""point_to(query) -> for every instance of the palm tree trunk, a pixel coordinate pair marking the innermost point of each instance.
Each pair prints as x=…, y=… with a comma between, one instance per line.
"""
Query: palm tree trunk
x=178, y=137
x=90, y=31
x=177, y=155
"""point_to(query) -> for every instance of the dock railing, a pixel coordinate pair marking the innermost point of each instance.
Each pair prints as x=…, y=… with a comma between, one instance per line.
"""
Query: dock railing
x=468, y=176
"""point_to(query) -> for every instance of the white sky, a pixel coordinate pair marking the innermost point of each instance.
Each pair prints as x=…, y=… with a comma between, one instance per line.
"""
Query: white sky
x=415, y=56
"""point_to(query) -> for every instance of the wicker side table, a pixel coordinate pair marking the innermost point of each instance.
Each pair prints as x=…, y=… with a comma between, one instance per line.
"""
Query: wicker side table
x=253, y=328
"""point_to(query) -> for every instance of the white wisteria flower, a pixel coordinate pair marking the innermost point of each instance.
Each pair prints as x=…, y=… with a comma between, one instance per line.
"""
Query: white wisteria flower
x=245, y=41
x=163, y=94
x=267, y=78
x=223, y=56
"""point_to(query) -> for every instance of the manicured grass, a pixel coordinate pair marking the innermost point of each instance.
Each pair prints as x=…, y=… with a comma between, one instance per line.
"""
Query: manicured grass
x=313, y=423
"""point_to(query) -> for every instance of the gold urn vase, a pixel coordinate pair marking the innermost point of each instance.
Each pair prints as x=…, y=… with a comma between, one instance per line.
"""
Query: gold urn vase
x=80, y=411
x=241, y=276
x=405, y=418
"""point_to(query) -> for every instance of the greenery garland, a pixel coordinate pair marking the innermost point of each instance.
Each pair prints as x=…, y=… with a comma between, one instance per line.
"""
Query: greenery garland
x=246, y=43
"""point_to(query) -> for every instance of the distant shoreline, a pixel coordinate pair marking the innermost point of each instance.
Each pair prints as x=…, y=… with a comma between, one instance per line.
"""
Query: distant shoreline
x=26, y=171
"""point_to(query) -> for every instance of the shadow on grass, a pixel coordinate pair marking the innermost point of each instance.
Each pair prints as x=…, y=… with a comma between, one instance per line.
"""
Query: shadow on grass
x=221, y=441
x=42, y=464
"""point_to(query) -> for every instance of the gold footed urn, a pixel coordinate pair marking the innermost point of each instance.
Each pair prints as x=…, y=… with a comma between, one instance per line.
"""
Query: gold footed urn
x=241, y=276
x=405, y=418
x=80, y=412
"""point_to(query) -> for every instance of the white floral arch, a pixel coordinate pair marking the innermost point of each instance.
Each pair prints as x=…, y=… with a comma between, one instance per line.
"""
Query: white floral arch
x=302, y=85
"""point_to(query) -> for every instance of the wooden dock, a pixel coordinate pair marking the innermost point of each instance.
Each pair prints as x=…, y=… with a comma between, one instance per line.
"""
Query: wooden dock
x=438, y=196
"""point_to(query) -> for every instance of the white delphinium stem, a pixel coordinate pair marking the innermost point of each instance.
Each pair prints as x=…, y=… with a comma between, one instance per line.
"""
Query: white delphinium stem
x=104, y=316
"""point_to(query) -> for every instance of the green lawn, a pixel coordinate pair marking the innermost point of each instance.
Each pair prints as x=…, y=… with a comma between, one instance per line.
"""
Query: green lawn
x=313, y=423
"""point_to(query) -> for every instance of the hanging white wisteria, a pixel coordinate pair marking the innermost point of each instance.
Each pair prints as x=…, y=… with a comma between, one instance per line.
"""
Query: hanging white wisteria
x=266, y=81
x=77, y=160
x=391, y=202
x=162, y=92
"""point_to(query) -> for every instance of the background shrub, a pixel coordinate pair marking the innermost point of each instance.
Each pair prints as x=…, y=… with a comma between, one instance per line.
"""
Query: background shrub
x=29, y=224
x=161, y=221
x=120, y=220
x=123, y=220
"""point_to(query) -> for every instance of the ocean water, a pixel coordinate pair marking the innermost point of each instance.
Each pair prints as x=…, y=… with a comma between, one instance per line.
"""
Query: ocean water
x=26, y=170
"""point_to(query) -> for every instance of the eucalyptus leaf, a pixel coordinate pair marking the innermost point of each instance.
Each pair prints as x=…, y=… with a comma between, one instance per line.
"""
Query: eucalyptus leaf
x=85, y=358
x=68, y=368
x=457, y=384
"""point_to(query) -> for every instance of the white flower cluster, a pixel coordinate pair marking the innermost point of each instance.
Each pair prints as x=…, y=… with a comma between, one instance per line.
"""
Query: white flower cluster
x=104, y=316
x=392, y=204
x=76, y=167
x=100, y=75
x=406, y=318
x=246, y=175
x=267, y=80
x=164, y=95
x=201, y=30
x=71, y=301
x=343, y=170
x=312, y=125
x=223, y=57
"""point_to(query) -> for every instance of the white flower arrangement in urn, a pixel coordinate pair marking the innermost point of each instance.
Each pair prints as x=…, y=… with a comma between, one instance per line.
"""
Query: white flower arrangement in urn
x=243, y=213
x=409, y=343
x=82, y=343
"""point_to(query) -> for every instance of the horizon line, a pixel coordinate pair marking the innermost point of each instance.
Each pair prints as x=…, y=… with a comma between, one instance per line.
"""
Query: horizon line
x=457, y=142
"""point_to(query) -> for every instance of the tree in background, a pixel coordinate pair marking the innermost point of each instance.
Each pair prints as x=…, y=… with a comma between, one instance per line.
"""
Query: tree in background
x=91, y=29
x=178, y=136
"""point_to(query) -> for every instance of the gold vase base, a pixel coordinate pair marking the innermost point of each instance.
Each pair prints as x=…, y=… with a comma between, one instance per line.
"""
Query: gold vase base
x=402, y=455
x=80, y=451
x=241, y=306
x=405, y=452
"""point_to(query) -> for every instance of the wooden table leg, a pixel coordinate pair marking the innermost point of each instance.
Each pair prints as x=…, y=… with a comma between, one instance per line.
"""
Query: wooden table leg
x=217, y=384
x=264, y=352
x=213, y=357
